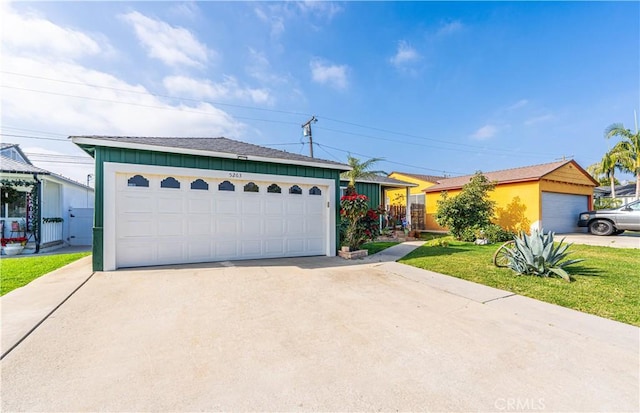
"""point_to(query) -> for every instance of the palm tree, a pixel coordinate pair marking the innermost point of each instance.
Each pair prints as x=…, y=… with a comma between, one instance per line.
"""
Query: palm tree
x=605, y=168
x=627, y=151
x=360, y=170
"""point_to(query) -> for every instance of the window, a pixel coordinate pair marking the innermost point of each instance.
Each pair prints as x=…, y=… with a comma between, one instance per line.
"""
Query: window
x=170, y=182
x=200, y=184
x=343, y=191
x=251, y=187
x=295, y=190
x=226, y=186
x=138, y=180
x=315, y=191
x=14, y=203
x=416, y=199
x=274, y=189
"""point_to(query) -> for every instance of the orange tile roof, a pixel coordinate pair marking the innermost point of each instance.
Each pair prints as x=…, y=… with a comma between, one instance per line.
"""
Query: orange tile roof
x=522, y=174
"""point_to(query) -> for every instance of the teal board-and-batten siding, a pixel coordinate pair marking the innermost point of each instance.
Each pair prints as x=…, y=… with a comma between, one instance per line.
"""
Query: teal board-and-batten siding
x=371, y=190
x=144, y=157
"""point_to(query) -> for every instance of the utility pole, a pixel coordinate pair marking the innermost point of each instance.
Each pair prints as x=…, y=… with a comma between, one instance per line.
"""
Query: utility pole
x=306, y=131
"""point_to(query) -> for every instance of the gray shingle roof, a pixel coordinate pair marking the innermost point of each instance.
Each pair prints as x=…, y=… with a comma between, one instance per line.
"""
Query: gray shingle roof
x=382, y=180
x=522, y=174
x=428, y=178
x=11, y=166
x=219, y=145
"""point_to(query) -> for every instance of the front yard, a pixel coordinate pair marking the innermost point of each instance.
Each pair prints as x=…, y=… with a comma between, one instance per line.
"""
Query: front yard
x=606, y=284
x=17, y=272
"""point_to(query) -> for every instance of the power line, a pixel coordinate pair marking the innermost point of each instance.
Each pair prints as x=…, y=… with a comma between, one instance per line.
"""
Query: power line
x=147, y=93
x=33, y=137
x=288, y=112
x=201, y=112
x=392, y=162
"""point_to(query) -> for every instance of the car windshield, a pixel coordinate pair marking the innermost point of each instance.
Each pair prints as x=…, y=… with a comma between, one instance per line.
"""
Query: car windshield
x=634, y=206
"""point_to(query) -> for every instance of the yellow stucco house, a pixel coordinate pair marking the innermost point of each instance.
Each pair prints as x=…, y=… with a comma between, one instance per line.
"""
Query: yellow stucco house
x=416, y=195
x=548, y=196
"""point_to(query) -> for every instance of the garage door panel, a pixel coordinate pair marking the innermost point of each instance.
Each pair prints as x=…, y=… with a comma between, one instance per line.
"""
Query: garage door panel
x=560, y=211
x=132, y=227
x=199, y=206
x=170, y=205
x=199, y=225
x=251, y=226
x=228, y=227
x=226, y=249
x=315, y=245
x=295, y=227
x=314, y=226
x=294, y=206
x=251, y=205
x=199, y=248
x=274, y=227
x=136, y=253
x=170, y=226
x=132, y=203
x=295, y=245
x=226, y=206
x=274, y=247
x=170, y=252
x=251, y=248
x=156, y=226
x=273, y=205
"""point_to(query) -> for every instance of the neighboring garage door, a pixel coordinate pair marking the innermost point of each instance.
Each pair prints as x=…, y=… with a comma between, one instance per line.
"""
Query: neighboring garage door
x=163, y=219
x=560, y=211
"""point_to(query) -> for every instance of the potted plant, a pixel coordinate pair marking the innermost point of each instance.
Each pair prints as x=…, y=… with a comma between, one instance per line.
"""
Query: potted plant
x=13, y=246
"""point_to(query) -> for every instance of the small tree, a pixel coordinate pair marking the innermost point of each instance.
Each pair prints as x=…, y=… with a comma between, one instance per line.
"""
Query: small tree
x=360, y=170
x=470, y=208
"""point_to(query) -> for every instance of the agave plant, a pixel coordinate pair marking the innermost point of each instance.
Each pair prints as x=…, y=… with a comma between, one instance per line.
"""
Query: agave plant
x=536, y=254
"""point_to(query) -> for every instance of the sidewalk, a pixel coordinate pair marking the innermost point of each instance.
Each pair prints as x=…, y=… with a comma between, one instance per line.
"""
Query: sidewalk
x=23, y=309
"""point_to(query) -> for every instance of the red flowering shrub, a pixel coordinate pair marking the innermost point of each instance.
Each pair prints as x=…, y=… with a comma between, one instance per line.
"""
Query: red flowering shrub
x=359, y=223
x=16, y=240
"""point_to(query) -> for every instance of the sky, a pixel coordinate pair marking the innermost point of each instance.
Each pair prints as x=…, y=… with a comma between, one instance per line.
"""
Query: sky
x=437, y=88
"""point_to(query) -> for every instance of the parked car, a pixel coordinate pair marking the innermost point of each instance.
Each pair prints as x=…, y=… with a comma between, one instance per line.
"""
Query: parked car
x=612, y=221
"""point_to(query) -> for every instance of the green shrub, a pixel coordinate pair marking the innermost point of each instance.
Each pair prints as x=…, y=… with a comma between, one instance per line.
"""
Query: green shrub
x=468, y=234
x=536, y=254
x=470, y=208
x=495, y=233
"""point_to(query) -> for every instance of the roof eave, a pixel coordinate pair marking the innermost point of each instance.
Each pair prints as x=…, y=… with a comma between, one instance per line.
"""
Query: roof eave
x=80, y=140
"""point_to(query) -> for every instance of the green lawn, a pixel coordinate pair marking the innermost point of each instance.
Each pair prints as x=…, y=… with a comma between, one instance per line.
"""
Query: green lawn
x=16, y=272
x=374, y=247
x=606, y=284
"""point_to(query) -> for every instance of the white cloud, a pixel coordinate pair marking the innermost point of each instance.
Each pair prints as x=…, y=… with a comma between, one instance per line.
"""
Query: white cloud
x=274, y=19
x=33, y=35
x=329, y=74
x=449, y=28
x=321, y=9
x=404, y=55
x=174, y=46
x=538, y=119
x=485, y=132
x=519, y=104
x=206, y=89
x=72, y=107
x=187, y=9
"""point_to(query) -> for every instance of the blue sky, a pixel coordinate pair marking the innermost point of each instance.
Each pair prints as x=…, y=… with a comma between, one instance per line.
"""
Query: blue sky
x=433, y=88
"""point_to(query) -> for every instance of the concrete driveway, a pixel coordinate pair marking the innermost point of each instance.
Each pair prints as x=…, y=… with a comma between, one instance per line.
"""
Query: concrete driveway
x=624, y=240
x=316, y=334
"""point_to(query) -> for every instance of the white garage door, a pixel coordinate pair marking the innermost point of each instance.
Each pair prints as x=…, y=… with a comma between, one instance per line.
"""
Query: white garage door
x=171, y=219
x=560, y=211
